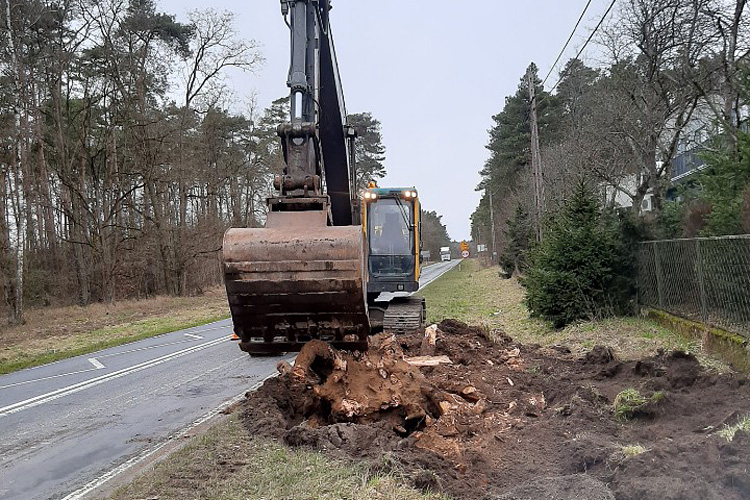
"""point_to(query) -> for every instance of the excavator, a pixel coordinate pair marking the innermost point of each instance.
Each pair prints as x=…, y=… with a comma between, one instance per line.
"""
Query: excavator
x=320, y=266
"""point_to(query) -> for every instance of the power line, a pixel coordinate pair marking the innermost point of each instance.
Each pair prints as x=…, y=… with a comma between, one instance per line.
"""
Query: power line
x=588, y=40
x=562, y=51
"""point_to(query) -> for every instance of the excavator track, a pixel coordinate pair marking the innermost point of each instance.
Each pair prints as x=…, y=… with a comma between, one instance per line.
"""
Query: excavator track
x=404, y=315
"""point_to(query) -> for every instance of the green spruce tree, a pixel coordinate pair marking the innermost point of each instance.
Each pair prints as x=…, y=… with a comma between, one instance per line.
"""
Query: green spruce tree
x=582, y=269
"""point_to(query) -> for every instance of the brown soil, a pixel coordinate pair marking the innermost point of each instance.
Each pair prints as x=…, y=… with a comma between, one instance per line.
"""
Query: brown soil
x=511, y=421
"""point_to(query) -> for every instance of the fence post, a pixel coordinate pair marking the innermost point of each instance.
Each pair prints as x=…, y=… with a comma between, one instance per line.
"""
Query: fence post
x=639, y=278
x=659, y=279
x=701, y=284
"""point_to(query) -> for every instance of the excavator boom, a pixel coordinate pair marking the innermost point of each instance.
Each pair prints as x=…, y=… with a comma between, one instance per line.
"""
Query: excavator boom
x=303, y=275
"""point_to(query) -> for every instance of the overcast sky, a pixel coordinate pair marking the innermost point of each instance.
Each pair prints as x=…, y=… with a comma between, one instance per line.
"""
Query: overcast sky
x=432, y=71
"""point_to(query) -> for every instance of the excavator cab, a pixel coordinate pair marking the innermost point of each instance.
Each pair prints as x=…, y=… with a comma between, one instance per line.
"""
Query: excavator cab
x=391, y=221
x=392, y=225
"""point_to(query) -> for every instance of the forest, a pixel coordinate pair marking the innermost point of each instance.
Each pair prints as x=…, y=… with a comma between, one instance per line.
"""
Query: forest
x=125, y=153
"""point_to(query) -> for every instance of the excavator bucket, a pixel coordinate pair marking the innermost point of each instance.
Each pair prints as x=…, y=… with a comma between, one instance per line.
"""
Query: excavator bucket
x=296, y=280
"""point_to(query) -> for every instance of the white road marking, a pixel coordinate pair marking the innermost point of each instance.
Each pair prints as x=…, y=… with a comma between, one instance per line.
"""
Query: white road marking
x=47, y=378
x=167, y=344
x=40, y=379
x=164, y=334
x=81, y=493
x=211, y=329
x=97, y=364
x=72, y=389
x=144, y=348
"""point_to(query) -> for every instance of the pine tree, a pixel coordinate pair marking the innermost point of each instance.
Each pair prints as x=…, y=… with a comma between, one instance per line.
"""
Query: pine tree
x=519, y=234
x=369, y=149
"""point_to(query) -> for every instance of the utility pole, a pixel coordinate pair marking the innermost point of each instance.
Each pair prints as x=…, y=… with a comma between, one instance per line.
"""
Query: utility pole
x=536, y=162
x=492, y=224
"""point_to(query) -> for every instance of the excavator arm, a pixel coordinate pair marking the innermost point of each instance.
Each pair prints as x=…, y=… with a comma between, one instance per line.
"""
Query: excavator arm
x=317, y=141
x=303, y=275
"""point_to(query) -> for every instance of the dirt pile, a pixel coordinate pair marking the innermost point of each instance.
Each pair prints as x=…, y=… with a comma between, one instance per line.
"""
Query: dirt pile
x=482, y=419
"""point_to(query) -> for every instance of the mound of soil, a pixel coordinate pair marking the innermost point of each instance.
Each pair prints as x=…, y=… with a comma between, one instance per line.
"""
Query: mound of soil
x=496, y=419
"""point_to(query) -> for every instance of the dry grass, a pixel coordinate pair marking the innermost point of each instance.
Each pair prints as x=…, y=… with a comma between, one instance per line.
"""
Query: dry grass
x=729, y=431
x=50, y=334
x=227, y=463
x=479, y=296
x=630, y=401
x=633, y=450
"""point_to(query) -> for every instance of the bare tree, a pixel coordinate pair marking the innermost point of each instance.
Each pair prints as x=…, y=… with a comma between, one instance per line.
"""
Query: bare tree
x=720, y=88
x=656, y=47
x=15, y=177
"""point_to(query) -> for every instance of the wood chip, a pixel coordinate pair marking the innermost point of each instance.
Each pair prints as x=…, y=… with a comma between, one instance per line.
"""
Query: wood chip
x=445, y=407
x=283, y=367
x=428, y=342
x=479, y=407
x=510, y=382
x=470, y=393
x=350, y=407
x=339, y=364
x=430, y=333
x=469, y=389
x=429, y=360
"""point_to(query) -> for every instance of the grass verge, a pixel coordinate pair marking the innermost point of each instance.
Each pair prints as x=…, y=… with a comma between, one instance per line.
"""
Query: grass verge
x=227, y=463
x=54, y=334
x=479, y=296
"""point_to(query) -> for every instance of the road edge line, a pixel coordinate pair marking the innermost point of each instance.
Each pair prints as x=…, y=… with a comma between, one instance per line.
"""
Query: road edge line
x=100, y=481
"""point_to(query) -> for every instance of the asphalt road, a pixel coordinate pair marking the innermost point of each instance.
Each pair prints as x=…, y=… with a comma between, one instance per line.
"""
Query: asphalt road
x=434, y=271
x=65, y=424
x=429, y=274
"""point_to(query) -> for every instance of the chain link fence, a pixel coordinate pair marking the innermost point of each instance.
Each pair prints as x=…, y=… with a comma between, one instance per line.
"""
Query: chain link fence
x=704, y=279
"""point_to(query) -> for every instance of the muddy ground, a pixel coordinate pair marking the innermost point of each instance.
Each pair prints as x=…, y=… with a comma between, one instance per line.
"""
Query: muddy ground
x=511, y=421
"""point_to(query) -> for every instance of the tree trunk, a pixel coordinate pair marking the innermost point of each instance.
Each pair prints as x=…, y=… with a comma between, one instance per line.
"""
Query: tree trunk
x=17, y=201
x=730, y=89
x=6, y=263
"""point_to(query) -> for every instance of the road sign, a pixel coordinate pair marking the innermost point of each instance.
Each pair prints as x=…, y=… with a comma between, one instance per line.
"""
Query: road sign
x=464, y=246
x=481, y=248
x=465, y=254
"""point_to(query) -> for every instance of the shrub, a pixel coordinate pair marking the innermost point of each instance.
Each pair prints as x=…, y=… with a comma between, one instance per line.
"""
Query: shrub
x=583, y=268
x=725, y=183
